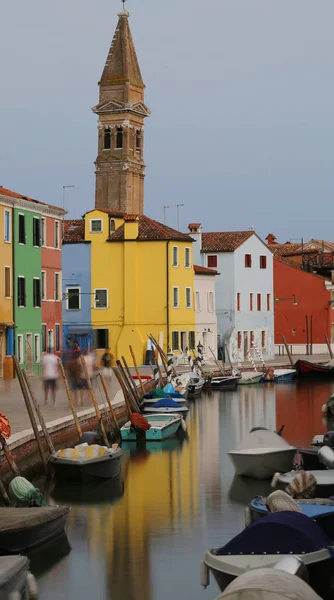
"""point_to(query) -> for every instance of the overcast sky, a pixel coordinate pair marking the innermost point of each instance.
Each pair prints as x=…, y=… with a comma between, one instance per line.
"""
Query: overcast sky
x=241, y=94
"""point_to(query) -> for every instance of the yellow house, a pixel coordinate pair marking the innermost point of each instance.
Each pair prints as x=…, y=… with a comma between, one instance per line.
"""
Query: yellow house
x=142, y=282
x=6, y=288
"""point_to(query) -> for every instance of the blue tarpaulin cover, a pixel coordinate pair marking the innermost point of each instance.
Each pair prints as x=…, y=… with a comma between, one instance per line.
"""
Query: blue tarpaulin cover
x=282, y=532
x=153, y=395
x=166, y=403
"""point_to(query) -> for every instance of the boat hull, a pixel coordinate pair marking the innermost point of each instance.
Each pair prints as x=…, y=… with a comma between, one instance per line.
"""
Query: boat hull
x=24, y=537
x=309, y=369
x=261, y=466
x=281, y=375
x=148, y=402
x=310, y=460
x=226, y=569
x=224, y=383
x=324, y=478
x=158, y=431
x=258, y=378
x=183, y=410
x=103, y=467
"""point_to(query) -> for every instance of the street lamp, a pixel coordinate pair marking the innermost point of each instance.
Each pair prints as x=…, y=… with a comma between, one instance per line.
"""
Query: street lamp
x=295, y=303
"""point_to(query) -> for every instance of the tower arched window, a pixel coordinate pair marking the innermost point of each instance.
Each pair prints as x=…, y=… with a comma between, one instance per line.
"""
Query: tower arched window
x=119, y=137
x=138, y=140
x=107, y=139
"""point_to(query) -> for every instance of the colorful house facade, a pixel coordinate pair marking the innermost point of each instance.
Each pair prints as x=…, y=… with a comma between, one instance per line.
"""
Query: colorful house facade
x=35, y=252
x=76, y=287
x=205, y=309
x=6, y=289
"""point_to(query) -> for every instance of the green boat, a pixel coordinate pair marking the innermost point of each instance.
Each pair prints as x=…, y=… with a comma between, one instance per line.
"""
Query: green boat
x=163, y=426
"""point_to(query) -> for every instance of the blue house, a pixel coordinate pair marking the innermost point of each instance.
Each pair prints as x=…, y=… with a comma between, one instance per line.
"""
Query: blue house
x=76, y=287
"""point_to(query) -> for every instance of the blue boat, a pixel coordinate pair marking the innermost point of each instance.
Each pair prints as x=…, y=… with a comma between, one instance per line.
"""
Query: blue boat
x=281, y=375
x=165, y=406
x=321, y=510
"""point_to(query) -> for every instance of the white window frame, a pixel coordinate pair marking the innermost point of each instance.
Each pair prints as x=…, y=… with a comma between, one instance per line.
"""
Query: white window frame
x=20, y=346
x=73, y=287
x=178, y=297
x=197, y=301
x=7, y=212
x=57, y=235
x=25, y=286
x=43, y=231
x=187, y=251
x=10, y=282
x=55, y=340
x=177, y=256
x=188, y=291
x=37, y=355
x=90, y=226
x=57, y=291
x=43, y=285
x=101, y=290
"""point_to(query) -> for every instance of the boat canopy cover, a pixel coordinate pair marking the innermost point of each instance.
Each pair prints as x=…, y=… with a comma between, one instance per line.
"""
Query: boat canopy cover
x=169, y=388
x=268, y=584
x=161, y=394
x=166, y=403
x=16, y=519
x=278, y=533
x=262, y=438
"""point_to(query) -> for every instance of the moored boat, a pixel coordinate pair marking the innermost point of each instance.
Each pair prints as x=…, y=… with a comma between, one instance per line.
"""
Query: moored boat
x=161, y=427
x=25, y=528
x=192, y=382
x=284, y=374
x=84, y=462
x=226, y=382
x=250, y=377
x=259, y=453
x=313, y=369
x=15, y=579
x=264, y=541
x=165, y=406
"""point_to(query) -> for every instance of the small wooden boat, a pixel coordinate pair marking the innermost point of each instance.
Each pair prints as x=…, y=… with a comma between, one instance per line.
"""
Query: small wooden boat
x=250, y=378
x=85, y=462
x=150, y=400
x=259, y=453
x=281, y=375
x=25, y=528
x=165, y=406
x=313, y=369
x=225, y=382
x=14, y=571
x=163, y=426
x=321, y=510
x=278, y=535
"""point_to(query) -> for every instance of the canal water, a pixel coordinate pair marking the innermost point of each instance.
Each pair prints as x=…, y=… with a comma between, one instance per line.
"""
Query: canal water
x=143, y=538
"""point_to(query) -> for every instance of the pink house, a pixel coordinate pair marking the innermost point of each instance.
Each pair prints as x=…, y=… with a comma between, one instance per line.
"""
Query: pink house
x=51, y=288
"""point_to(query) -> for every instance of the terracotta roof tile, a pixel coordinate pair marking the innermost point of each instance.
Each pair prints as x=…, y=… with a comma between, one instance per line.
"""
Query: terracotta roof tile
x=152, y=230
x=74, y=230
x=224, y=241
x=11, y=194
x=199, y=270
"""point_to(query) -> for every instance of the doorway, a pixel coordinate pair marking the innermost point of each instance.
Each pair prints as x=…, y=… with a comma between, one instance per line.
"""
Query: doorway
x=183, y=340
x=29, y=351
x=50, y=340
x=246, y=346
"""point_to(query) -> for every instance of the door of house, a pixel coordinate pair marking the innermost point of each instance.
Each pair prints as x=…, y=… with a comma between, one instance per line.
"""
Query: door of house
x=246, y=346
x=50, y=340
x=183, y=340
x=29, y=352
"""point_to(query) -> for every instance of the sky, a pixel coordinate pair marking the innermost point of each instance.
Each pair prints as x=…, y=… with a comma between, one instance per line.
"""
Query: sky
x=241, y=94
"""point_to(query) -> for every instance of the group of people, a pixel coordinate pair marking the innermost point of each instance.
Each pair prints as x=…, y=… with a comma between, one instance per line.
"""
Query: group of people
x=76, y=372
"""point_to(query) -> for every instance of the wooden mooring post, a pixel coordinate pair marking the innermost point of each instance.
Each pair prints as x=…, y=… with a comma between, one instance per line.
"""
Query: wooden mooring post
x=124, y=390
x=329, y=346
x=288, y=351
x=70, y=399
x=112, y=412
x=30, y=411
x=39, y=413
x=95, y=404
x=137, y=370
x=130, y=392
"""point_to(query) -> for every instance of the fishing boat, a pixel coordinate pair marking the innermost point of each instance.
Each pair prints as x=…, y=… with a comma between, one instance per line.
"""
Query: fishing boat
x=167, y=405
x=250, y=378
x=14, y=580
x=259, y=453
x=310, y=456
x=322, y=481
x=162, y=426
x=192, y=382
x=85, y=462
x=24, y=528
x=321, y=510
x=226, y=382
x=313, y=369
x=151, y=399
x=277, y=535
x=281, y=375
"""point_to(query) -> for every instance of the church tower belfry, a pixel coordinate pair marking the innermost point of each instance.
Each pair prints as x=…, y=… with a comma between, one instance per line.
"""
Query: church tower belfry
x=120, y=167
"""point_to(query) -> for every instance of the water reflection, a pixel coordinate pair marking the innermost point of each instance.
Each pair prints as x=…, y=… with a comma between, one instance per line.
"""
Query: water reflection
x=145, y=542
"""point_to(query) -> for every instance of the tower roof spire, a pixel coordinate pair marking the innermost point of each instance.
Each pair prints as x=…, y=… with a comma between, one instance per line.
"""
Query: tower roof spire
x=122, y=64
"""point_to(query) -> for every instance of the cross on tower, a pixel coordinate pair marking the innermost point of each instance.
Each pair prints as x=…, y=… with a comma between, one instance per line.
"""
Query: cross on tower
x=123, y=2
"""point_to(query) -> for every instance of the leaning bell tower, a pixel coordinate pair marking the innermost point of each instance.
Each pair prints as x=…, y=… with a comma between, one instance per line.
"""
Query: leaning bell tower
x=120, y=167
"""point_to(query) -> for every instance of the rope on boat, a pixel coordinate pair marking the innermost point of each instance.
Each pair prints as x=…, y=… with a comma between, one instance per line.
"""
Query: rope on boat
x=190, y=360
x=156, y=376
x=251, y=359
x=254, y=346
x=169, y=367
x=199, y=356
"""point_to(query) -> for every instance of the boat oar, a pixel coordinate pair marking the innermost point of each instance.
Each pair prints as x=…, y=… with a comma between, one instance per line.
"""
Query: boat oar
x=131, y=381
x=137, y=370
x=9, y=457
x=124, y=390
x=216, y=361
x=70, y=400
x=39, y=414
x=131, y=394
x=112, y=412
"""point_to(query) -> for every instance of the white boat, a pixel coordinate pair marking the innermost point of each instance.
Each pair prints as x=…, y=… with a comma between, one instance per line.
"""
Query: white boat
x=192, y=381
x=259, y=454
x=250, y=377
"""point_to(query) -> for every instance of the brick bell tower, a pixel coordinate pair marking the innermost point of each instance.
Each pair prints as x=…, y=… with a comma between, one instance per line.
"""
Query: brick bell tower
x=120, y=167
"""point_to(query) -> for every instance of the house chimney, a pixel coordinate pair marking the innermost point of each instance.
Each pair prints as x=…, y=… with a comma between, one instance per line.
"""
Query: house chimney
x=271, y=239
x=131, y=227
x=194, y=227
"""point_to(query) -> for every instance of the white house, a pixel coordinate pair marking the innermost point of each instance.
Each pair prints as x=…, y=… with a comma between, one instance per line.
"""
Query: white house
x=206, y=319
x=244, y=289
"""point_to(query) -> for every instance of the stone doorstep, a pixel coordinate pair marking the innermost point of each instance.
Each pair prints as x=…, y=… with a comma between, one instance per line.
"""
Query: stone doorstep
x=22, y=437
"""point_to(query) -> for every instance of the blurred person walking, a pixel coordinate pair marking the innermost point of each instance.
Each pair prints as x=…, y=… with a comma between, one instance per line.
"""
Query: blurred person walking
x=50, y=373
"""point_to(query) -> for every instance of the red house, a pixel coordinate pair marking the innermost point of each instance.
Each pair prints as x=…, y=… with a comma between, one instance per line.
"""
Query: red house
x=303, y=309
x=51, y=233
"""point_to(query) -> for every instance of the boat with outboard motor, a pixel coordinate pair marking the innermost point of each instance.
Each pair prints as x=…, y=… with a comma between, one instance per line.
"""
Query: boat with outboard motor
x=259, y=545
x=84, y=462
x=321, y=481
x=158, y=427
x=259, y=454
x=309, y=456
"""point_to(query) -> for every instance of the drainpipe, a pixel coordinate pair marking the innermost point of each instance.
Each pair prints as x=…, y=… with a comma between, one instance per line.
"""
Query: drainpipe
x=311, y=334
x=306, y=319
x=167, y=294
